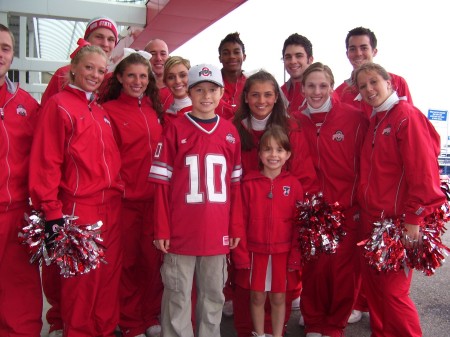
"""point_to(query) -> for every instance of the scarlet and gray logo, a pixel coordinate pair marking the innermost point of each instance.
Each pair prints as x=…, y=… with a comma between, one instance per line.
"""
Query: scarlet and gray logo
x=21, y=110
x=387, y=130
x=230, y=138
x=205, y=72
x=338, y=136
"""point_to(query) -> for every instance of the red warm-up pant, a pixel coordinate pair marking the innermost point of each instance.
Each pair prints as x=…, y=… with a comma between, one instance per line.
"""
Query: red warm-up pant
x=141, y=286
x=20, y=284
x=392, y=312
x=90, y=302
x=51, y=285
x=330, y=284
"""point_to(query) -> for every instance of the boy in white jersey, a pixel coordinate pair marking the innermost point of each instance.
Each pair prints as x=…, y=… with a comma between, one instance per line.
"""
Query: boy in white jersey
x=197, y=170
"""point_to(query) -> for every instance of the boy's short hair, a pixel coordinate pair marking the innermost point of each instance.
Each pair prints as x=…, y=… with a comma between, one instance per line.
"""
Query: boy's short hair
x=204, y=73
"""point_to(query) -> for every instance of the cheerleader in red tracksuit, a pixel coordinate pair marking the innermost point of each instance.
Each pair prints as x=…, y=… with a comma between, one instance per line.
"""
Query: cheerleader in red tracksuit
x=20, y=284
x=261, y=106
x=132, y=101
x=269, y=199
x=335, y=132
x=102, y=32
x=399, y=177
x=74, y=169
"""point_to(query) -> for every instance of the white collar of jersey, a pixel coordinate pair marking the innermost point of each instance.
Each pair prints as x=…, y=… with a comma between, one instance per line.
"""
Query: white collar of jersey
x=193, y=121
x=387, y=104
x=326, y=107
x=257, y=124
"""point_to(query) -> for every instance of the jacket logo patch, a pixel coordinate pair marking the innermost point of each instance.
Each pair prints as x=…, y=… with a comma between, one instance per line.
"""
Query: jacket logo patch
x=338, y=136
x=21, y=111
x=387, y=130
x=230, y=138
x=420, y=210
x=106, y=120
x=286, y=190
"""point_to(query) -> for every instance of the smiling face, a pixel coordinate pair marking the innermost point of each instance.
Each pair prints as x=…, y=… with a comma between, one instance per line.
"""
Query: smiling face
x=273, y=156
x=89, y=72
x=205, y=97
x=232, y=57
x=104, y=38
x=261, y=98
x=160, y=54
x=373, y=88
x=177, y=80
x=134, y=79
x=6, y=54
x=359, y=50
x=317, y=88
x=296, y=61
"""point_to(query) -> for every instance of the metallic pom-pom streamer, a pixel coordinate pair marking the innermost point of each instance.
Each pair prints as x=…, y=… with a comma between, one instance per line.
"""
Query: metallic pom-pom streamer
x=319, y=226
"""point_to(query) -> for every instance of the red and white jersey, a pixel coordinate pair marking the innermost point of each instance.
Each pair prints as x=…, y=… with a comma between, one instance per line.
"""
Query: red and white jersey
x=348, y=93
x=200, y=166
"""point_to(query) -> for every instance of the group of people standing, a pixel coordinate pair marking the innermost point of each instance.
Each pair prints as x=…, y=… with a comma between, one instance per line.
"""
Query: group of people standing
x=195, y=173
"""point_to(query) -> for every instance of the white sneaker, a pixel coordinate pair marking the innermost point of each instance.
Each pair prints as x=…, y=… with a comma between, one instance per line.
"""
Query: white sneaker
x=313, y=334
x=56, y=333
x=355, y=316
x=296, y=304
x=153, y=331
x=141, y=335
x=254, y=334
x=227, y=309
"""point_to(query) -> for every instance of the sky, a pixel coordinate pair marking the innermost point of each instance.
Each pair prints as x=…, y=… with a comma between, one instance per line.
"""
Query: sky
x=413, y=38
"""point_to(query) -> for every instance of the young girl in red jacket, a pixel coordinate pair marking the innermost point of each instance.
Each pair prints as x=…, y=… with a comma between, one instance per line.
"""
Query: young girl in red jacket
x=269, y=198
x=132, y=100
x=262, y=106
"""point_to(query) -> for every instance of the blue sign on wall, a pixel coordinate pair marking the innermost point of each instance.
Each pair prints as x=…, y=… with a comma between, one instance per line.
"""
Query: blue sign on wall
x=437, y=115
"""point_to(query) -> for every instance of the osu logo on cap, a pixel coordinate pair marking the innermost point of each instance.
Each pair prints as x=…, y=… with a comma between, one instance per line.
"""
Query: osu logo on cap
x=205, y=72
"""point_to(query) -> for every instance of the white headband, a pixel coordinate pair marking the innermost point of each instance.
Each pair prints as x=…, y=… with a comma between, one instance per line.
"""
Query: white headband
x=128, y=51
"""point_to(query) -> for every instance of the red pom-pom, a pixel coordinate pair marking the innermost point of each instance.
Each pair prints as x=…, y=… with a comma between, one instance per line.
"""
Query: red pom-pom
x=32, y=234
x=319, y=225
x=77, y=249
x=384, y=249
x=432, y=252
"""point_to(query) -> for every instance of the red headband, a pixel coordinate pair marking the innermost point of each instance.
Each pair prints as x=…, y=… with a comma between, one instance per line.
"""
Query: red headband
x=81, y=43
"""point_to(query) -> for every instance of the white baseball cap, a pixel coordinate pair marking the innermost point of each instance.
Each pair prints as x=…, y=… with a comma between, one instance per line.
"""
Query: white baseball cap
x=204, y=73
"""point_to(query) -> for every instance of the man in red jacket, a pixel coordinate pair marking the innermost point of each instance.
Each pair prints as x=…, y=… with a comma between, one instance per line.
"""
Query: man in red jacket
x=297, y=57
x=361, y=45
x=20, y=285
